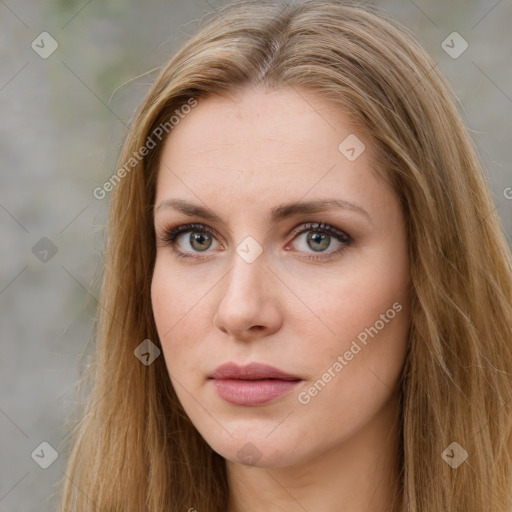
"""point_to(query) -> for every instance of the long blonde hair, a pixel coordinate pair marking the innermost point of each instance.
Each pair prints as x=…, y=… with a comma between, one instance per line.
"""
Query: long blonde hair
x=134, y=448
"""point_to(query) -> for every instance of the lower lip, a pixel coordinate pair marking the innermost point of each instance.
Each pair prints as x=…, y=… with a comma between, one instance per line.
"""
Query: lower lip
x=252, y=392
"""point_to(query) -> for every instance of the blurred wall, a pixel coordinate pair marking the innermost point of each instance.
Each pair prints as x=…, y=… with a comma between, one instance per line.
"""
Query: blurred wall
x=64, y=111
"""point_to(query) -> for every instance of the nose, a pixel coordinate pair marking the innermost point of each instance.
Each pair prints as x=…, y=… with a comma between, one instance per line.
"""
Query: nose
x=248, y=306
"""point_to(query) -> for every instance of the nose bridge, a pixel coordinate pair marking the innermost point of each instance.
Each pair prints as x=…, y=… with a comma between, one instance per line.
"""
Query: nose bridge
x=246, y=280
x=246, y=300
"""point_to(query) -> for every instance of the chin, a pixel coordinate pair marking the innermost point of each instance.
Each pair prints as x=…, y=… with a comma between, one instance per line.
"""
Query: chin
x=258, y=450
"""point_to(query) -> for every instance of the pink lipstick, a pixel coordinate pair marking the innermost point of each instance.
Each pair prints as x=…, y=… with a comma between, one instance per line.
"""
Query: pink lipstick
x=253, y=384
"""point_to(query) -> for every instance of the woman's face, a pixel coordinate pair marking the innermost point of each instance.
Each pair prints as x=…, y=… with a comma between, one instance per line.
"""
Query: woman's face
x=258, y=281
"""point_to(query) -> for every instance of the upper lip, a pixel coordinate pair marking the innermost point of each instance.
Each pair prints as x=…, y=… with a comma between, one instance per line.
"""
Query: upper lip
x=253, y=371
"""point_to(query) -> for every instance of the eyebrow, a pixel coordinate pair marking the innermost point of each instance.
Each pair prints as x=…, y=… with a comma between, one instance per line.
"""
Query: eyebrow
x=276, y=214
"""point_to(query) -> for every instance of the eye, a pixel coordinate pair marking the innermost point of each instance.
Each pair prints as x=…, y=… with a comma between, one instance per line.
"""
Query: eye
x=199, y=238
x=319, y=238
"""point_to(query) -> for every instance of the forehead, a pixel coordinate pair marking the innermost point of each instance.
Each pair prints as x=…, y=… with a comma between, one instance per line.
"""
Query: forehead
x=264, y=146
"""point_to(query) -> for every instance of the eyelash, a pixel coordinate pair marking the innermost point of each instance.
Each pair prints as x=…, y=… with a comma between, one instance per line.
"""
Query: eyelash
x=169, y=235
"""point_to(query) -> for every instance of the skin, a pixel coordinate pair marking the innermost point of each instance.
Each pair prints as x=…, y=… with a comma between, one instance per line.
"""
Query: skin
x=241, y=157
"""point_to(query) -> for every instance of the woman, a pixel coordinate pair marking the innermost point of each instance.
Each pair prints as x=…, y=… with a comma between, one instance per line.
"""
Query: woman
x=307, y=303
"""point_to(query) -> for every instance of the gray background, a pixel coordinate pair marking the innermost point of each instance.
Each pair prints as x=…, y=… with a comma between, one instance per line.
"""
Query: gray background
x=62, y=123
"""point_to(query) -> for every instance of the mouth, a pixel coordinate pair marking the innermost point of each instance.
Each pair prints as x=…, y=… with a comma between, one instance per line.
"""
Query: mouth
x=254, y=384
x=253, y=371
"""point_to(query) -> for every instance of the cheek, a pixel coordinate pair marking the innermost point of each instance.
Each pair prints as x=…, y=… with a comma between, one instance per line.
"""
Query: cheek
x=368, y=315
x=163, y=300
x=349, y=304
x=172, y=311
x=182, y=317
x=356, y=370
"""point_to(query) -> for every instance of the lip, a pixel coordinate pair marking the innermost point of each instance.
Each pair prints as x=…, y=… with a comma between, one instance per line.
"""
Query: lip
x=253, y=371
x=253, y=384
